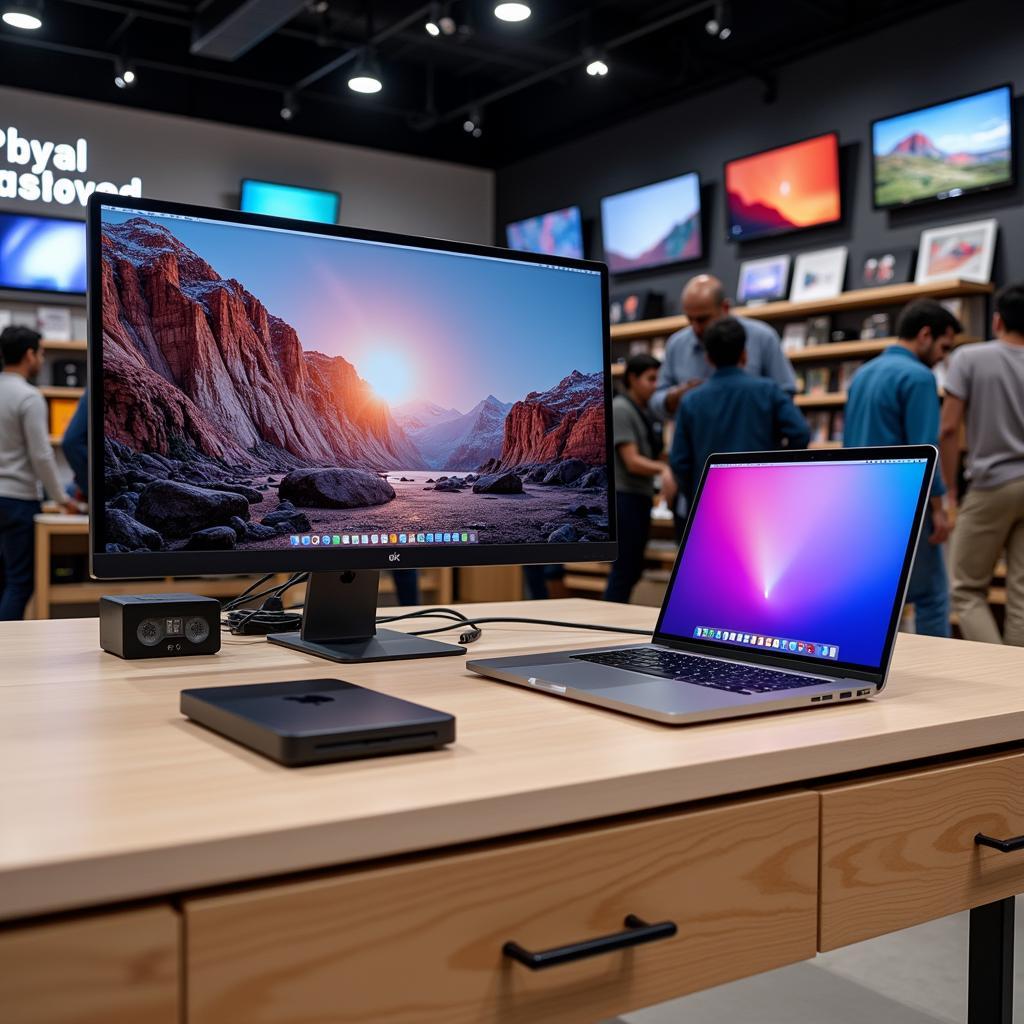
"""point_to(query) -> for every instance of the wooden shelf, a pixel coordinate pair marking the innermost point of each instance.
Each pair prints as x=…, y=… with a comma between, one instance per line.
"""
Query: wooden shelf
x=862, y=298
x=56, y=441
x=827, y=401
x=822, y=445
x=50, y=391
x=64, y=346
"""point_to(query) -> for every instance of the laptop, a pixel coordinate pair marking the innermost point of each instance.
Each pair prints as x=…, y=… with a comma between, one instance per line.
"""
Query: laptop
x=786, y=592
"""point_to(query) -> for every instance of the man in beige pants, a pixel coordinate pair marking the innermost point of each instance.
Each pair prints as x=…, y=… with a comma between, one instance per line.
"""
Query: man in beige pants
x=985, y=388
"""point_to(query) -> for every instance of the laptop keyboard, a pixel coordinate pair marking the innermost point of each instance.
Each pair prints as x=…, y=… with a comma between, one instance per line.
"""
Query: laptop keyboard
x=719, y=675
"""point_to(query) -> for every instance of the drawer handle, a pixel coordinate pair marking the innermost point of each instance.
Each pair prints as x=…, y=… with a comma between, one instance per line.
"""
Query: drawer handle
x=636, y=932
x=1003, y=845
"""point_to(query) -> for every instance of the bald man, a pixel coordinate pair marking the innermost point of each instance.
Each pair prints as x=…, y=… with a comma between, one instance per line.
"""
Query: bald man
x=686, y=364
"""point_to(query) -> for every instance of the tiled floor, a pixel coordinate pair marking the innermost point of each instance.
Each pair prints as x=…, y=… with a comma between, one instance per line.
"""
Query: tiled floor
x=918, y=976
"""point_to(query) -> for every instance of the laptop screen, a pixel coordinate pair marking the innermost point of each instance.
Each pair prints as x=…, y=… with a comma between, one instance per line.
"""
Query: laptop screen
x=797, y=558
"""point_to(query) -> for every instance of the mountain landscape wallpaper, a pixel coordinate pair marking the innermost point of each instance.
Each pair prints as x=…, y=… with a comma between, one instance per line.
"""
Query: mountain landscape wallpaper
x=958, y=146
x=265, y=387
x=652, y=226
x=784, y=189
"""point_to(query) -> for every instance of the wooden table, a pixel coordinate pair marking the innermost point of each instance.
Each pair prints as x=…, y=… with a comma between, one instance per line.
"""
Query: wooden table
x=151, y=870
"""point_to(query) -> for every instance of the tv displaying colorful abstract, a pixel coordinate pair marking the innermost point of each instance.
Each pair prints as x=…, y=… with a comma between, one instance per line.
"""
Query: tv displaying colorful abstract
x=269, y=387
x=944, y=151
x=784, y=189
x=43, y=254
x=294, y=201
x=652, y=226
x=559, y=233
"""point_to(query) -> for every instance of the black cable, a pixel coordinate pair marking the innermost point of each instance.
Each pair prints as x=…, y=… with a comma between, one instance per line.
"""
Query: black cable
x=236, y=601
x=460, y=620
x=270, y=616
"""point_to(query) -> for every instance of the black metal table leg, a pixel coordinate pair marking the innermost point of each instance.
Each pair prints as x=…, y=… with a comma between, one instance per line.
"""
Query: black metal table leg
x=990, y=964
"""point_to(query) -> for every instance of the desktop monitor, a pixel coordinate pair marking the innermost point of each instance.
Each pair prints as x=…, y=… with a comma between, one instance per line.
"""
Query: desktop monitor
x=279, y=397
x=291, y=201
x=42, y=254
x=784, y=189
x=944, y=151
x=559, y=233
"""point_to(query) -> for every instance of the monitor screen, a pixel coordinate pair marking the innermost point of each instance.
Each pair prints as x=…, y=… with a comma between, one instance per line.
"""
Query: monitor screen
x=42, y=254
x=652, y=226
x=944, y=151
x=267, y=389
x=274, y=200
x=817, y=569
x=785, y=189
x=559, y=233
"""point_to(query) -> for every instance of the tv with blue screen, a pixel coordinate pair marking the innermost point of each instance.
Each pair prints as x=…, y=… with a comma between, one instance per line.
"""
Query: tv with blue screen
x=944, y=151
x=276, y=200
x=42, y=254
x=559, y=233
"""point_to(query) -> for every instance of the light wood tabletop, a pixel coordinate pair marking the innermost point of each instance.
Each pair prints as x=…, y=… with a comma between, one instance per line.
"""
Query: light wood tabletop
x=109, y=794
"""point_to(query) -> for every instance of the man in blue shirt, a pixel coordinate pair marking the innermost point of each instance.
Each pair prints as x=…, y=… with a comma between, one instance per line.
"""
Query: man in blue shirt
x=894, y=400
x=686, y=364
x=733, y=411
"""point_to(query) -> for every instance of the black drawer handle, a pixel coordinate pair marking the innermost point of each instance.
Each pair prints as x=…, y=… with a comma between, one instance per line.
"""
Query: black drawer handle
x=636, y=932
x=1003, y=845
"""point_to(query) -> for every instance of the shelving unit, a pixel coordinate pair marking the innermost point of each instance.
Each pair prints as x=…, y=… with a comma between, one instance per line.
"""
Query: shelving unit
x=51, y=391
x=64, y=346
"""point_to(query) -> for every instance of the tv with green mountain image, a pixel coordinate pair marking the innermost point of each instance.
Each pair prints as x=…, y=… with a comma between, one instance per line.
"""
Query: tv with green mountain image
x=944, y=151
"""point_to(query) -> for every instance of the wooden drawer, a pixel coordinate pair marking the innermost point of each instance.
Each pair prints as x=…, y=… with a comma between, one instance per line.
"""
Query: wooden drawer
x=119, y=968
x=900, y=850
x=421, y=941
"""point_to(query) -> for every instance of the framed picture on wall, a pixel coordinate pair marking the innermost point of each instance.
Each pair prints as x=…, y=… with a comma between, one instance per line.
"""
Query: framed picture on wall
x=886, y=266
x=763, y=280
x=819, y=274
x=962, y=251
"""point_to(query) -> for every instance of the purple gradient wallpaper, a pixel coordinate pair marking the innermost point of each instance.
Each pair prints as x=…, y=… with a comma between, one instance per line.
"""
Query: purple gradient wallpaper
x=809, y=551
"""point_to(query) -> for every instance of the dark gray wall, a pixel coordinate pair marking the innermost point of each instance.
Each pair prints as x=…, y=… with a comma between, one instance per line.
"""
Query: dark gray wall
x=957, y=50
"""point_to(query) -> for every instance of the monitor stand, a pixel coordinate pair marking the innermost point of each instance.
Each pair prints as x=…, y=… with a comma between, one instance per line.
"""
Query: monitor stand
x=339, y=623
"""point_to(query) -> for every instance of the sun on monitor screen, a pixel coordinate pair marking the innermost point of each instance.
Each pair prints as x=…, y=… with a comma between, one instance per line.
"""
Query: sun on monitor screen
x=784, y=189
x=559, y=233
x=944, y=151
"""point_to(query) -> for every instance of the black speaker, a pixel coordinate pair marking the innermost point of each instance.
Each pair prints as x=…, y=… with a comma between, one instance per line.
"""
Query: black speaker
x=159, y=625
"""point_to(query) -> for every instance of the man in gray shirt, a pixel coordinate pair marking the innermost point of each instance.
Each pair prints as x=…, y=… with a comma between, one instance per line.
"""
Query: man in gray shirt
x=985, y=389
x=25, y=458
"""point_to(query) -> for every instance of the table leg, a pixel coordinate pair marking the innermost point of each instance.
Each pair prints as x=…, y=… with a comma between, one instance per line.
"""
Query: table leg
x=990, y=964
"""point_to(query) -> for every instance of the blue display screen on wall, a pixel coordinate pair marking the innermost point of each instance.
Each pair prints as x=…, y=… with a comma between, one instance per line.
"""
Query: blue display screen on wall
x=290, y=201
x=42, y=254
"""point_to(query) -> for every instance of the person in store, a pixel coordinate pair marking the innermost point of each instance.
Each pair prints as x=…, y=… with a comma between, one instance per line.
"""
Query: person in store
x=686, y=363
x=734, y=411
x=639, y=461
x=894, y=400
x=985, y=391
x=26, y=458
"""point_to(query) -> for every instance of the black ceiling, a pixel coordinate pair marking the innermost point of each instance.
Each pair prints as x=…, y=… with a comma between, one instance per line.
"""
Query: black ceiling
x=527, y=79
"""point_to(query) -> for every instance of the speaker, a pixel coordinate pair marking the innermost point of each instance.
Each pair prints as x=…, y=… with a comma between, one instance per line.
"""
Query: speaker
x=159, y=625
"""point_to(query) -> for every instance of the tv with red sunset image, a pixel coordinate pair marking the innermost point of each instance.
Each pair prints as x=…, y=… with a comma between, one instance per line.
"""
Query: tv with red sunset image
x=785, y=189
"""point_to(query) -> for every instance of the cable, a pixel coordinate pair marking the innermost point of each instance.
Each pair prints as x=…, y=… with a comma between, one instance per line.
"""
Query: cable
x=236, y=601
x=270, y=616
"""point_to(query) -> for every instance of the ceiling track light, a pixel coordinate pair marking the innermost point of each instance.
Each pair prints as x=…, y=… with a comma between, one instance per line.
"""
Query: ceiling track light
x=512, y=11
x=366, y=77
x=719, y=24
x=289, y=106
x=433, y=23
x=26, y=16
x=125, y=75
x=597, y=63
x=473, y=125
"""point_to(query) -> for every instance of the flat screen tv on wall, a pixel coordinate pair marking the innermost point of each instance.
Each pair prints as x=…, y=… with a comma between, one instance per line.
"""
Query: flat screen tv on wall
x=653, y=225
x=275, y=200
x=947, y=150
x=559, y=233
x=784, y=189
x=42, y=254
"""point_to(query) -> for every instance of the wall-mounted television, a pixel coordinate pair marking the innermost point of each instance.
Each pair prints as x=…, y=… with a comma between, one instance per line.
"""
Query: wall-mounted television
x=947, y=150
x=276, y=200
x=559, y=233
x=653, y=225
x=42, y=254
x=785, y=189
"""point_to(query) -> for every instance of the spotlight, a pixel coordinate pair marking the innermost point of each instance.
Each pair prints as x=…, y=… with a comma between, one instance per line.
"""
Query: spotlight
x=289, y=106
x=24, y=16
x=512, y=11
x=597, y=67
x=365, y=77
x=719, y=24
x=448, y=25
x=124, y=74
x=473, y=125
x=433, y=19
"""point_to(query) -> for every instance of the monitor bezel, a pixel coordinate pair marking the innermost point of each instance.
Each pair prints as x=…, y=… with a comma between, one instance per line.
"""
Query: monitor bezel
x=560, y=209
x=135, y=565
x=780, y=232
x=702, y=255
x=926, y=200
x=5, y=288
x=832, y=669
x=285, y=184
